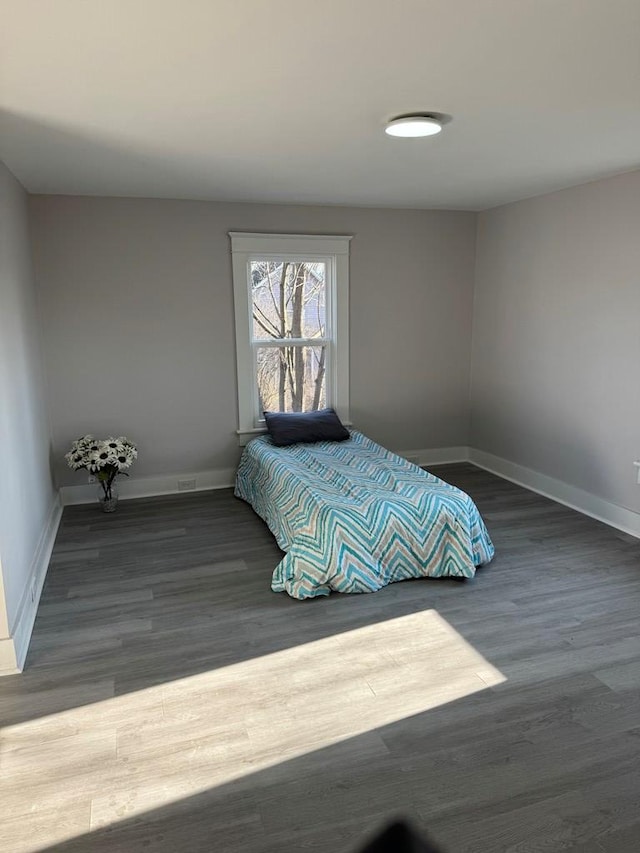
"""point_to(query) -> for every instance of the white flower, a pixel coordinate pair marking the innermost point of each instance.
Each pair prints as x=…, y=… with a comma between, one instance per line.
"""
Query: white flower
x=78, y=456
x=75, y=460
x=93, y=464
x=109, y=456
x=84, y=443
x=124, y=460
x=128, y=446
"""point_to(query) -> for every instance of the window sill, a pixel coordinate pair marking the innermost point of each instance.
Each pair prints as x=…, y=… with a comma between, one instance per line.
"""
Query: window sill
x=245, y=435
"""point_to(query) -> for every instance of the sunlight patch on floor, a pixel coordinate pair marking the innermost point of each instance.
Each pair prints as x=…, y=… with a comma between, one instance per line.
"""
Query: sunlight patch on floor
x=133, y=753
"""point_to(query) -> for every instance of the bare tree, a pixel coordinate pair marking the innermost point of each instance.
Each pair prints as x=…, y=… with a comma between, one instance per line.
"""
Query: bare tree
x=282, y=293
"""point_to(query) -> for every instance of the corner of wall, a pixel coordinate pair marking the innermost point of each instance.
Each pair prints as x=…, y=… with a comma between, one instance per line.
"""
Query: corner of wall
x=470, y=432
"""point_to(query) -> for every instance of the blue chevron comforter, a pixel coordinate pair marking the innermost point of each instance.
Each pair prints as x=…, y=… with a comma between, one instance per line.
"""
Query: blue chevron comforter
x=353, y=517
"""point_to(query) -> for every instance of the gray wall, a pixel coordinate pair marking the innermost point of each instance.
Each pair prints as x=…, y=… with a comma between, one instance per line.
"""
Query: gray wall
x=138, y=322
x=556, y=337
x=26, y=490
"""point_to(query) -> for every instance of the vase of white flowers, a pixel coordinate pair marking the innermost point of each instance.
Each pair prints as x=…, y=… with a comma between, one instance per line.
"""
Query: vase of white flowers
x=105, y=459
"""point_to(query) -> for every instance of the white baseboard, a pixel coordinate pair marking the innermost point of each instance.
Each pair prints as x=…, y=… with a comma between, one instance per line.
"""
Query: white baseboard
x=435, y=455
x=13, y=651
x=8, y=662
x=147, y=487
x=602, y=510
x=563, y=493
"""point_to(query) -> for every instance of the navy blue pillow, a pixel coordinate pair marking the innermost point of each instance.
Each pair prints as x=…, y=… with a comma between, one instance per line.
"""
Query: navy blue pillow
x=294, y=427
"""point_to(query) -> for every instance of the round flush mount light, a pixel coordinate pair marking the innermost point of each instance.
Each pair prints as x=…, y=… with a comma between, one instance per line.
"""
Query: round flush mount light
x=413, y=126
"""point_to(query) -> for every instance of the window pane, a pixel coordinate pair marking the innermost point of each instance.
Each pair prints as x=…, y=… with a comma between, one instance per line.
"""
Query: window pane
x=288, y=299
x=291, y=379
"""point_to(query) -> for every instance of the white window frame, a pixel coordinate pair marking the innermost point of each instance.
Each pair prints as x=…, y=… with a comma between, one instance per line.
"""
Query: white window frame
x=334, y=252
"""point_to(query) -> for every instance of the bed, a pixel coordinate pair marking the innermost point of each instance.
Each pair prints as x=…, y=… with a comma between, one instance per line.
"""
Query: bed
x=353, y=517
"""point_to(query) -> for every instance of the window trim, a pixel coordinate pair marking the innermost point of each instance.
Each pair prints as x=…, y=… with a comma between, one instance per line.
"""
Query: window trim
x=334, y=251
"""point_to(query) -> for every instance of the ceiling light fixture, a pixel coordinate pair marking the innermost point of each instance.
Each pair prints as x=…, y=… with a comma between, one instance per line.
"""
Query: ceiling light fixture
x=412, y=126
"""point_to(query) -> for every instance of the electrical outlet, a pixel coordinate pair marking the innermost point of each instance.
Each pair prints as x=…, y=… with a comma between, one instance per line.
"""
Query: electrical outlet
x=637, y=464
x=187, y=485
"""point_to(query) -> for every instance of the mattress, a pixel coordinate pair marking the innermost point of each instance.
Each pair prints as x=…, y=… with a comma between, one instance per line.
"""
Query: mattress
x=353, y=517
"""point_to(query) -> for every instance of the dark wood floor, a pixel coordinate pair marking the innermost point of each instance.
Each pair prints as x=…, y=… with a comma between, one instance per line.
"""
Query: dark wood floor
x=171, y=702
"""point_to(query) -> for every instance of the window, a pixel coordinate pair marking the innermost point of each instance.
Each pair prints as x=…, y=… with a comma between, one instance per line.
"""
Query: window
x=291, y=295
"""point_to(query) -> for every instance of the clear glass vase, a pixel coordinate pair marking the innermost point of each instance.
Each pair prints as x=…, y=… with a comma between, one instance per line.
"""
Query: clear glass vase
x=108, y=496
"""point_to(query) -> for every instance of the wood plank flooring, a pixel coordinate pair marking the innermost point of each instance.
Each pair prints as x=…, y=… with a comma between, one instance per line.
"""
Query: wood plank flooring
x=172, y=702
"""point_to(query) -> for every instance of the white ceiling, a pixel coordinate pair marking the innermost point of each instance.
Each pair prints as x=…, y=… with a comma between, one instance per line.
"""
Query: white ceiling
x=285, y=100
